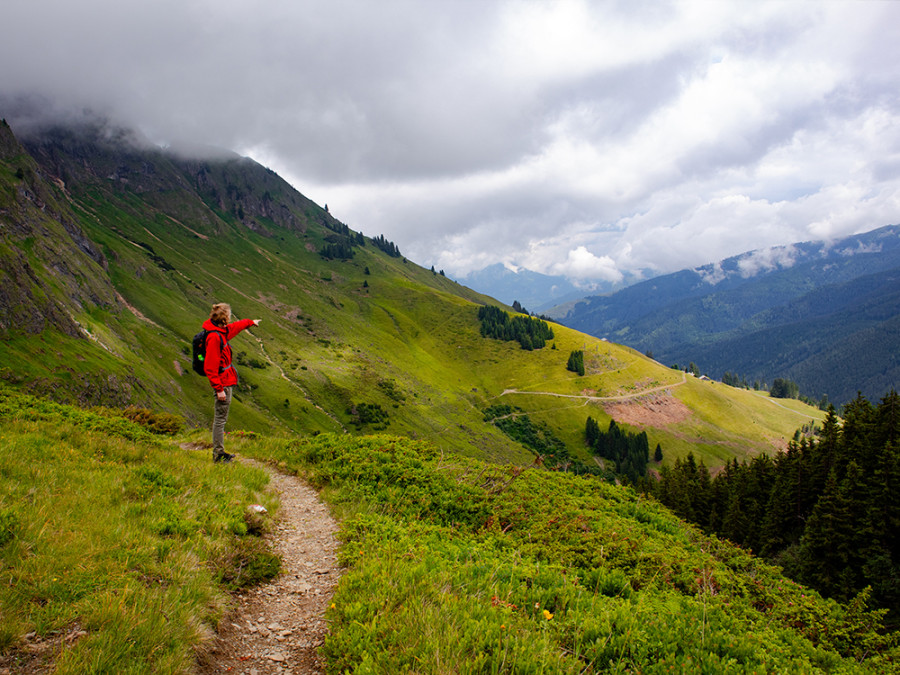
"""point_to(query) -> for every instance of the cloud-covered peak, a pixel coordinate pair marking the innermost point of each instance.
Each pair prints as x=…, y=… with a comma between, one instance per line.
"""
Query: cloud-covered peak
x=589, y=139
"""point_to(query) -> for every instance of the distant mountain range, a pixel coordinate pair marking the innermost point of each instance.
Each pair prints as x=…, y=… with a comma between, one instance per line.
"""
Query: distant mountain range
x=823, y=314
x=538, y=293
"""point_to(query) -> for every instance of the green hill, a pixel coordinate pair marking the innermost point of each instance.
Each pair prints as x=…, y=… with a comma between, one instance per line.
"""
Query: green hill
x=454, y=564
x=113, y=251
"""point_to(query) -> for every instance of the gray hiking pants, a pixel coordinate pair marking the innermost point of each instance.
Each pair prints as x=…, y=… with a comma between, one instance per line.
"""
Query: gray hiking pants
x=220, y=416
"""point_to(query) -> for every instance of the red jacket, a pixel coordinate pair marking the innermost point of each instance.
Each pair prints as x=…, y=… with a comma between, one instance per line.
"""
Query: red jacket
x=217, y=365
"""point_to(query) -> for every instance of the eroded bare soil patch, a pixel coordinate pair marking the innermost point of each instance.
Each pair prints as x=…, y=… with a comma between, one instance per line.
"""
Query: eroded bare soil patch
x=653, y=410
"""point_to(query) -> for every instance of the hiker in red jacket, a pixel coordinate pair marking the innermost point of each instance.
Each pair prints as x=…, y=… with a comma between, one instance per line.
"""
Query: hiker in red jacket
x=220, y=371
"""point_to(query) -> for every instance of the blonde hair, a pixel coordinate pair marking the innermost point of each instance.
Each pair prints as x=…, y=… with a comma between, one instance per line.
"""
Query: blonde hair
x=220, y=314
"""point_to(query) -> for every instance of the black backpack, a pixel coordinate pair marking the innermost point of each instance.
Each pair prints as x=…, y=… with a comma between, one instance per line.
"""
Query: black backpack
x=198, y=350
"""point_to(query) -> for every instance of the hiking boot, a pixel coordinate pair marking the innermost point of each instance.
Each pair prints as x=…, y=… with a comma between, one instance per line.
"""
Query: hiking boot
x=224, y=457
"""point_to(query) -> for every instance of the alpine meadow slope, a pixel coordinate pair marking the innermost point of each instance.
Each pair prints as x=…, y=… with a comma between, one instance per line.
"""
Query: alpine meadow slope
x=453, y=564
x=115, y=250
x=372, y=378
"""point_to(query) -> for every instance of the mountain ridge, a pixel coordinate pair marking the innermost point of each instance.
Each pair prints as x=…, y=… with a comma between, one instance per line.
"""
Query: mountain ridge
x=355, y=337
x=535, y=291
x=718, y=316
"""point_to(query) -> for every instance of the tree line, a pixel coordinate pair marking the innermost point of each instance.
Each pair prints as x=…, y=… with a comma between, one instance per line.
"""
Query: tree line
x=629, y=452
x=388, y=247
x=339, y=246
x=827, y=509
x=529, y=332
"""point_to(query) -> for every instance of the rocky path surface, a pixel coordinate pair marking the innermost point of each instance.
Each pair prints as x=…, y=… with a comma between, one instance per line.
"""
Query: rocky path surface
x=278, y=628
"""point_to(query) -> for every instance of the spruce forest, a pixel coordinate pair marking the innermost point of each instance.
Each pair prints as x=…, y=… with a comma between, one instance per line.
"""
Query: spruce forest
x=827, y=510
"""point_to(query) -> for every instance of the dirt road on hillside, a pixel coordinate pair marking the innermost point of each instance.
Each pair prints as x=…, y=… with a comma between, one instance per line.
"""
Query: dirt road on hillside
x=587, y=399
x=278, y=628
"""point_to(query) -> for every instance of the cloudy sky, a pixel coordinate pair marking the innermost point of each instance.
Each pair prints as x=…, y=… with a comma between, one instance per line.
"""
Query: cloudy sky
x=585, y=138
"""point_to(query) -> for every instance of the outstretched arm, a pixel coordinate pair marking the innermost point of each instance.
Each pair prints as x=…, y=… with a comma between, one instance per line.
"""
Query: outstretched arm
x=238, y=326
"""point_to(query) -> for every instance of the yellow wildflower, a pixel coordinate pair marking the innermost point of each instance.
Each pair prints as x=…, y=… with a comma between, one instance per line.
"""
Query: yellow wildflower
x=547, y=615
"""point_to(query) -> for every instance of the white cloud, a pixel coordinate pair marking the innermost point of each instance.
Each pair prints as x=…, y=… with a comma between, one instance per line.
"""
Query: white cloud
x=582, y=264
x=766, y=259
x=578, y=137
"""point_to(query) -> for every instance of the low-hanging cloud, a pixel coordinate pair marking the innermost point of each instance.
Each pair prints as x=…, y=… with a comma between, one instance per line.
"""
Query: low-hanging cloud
x=596, y=140
x=582, y=264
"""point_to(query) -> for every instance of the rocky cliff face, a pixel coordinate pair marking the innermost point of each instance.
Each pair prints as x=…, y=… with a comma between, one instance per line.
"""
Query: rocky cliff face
x=47, y=263
x=207, y=180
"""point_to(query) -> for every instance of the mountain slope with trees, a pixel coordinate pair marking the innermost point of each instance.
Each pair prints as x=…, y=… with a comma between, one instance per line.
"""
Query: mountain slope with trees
x=795, y=312
x=113, y=250
x=826, y=510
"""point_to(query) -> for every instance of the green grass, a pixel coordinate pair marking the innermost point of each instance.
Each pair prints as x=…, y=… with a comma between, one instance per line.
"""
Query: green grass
x=460, y=566
x=120, y=542
x=117, y=548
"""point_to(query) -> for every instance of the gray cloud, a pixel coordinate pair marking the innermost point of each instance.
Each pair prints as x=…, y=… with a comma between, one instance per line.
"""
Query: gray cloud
x=589, y=139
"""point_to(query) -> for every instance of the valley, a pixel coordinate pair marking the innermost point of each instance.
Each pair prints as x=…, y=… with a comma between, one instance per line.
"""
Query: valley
x=371, y=379
x=151, y=240
x=822, y=314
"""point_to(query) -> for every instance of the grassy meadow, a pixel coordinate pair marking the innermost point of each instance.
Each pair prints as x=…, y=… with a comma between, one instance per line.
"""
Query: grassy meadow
x=118, y=548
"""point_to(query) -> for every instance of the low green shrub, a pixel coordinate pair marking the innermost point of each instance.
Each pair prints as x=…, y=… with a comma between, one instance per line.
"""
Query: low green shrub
x=455, y=565
x=17, y=406
x=156, y=422
x=247, y=562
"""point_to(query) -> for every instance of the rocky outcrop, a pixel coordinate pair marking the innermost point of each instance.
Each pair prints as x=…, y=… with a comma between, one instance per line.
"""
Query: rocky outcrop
x=49, y=267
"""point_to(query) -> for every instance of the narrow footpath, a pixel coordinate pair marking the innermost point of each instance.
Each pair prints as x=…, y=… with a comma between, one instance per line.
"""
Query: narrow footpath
x=277, y=628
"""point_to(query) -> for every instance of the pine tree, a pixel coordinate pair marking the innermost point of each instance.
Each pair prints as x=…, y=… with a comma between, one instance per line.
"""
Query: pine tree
x=576, y=362
x=784, y=513
x=827, y=549
x=591, y=432
x=882, y=559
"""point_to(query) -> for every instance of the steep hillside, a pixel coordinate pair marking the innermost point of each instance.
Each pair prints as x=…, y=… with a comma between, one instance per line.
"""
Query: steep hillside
x=795, y=312
x=113, y=252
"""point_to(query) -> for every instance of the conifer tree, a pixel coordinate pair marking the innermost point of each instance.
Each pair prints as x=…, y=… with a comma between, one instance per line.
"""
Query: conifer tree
x=576, y=362
x=591, y=432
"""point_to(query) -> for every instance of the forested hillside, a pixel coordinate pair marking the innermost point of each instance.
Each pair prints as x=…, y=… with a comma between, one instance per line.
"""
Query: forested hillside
x=823, y=314
x=827, y=510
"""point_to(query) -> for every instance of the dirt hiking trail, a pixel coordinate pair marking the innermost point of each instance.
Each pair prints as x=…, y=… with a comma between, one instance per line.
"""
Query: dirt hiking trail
x=278, y=627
